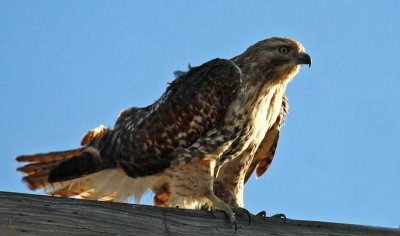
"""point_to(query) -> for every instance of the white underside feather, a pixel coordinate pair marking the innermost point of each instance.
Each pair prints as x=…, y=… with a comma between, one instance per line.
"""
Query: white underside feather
x=107, y=185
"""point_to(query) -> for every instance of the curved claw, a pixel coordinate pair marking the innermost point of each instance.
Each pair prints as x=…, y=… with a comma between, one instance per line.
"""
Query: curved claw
x=213, y=213
x=231, y=218
x=262, y=213
x=242, y=211
x=279, y=216
x=218, y=204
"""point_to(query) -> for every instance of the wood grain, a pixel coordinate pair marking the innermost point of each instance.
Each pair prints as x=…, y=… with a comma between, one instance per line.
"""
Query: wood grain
x=26, y=214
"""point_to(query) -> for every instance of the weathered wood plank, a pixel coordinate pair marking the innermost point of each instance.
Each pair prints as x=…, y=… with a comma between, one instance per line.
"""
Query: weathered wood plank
x=25, y=214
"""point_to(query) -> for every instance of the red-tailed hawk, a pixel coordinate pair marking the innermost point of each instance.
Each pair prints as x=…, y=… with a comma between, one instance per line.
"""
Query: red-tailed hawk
x=213, y=115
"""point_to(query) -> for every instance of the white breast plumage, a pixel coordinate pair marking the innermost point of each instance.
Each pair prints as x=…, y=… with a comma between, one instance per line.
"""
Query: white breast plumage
x=266, y=113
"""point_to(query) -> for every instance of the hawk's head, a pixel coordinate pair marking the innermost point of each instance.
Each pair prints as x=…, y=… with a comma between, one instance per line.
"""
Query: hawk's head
x=274, y=55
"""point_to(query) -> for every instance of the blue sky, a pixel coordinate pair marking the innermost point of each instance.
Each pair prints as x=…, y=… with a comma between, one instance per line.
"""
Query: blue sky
x=67, y=66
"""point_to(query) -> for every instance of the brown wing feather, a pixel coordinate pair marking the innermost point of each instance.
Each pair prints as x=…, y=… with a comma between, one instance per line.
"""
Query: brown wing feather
x=266, y=151
x=193, y=104
x=93, y=135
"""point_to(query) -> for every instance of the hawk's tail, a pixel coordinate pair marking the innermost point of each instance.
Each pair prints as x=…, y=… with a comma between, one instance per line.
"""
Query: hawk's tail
x=75, y=172
x=45, y=170
x=81, y=172
x=40, y=165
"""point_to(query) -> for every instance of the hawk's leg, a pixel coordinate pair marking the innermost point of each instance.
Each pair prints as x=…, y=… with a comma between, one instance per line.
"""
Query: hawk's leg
x=232, y=195
x=220, y=205
x=229, y=183
x=191, y=186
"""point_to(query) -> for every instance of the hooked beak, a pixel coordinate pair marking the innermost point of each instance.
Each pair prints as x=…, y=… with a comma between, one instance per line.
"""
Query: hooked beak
x=304, y=58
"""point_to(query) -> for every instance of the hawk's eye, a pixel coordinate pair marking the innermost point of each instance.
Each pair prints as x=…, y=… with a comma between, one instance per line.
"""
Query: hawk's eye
x=283, y=50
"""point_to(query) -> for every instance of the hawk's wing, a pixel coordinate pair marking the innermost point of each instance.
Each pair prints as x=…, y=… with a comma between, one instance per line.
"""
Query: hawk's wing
x=266, y=151
x=194, y=104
